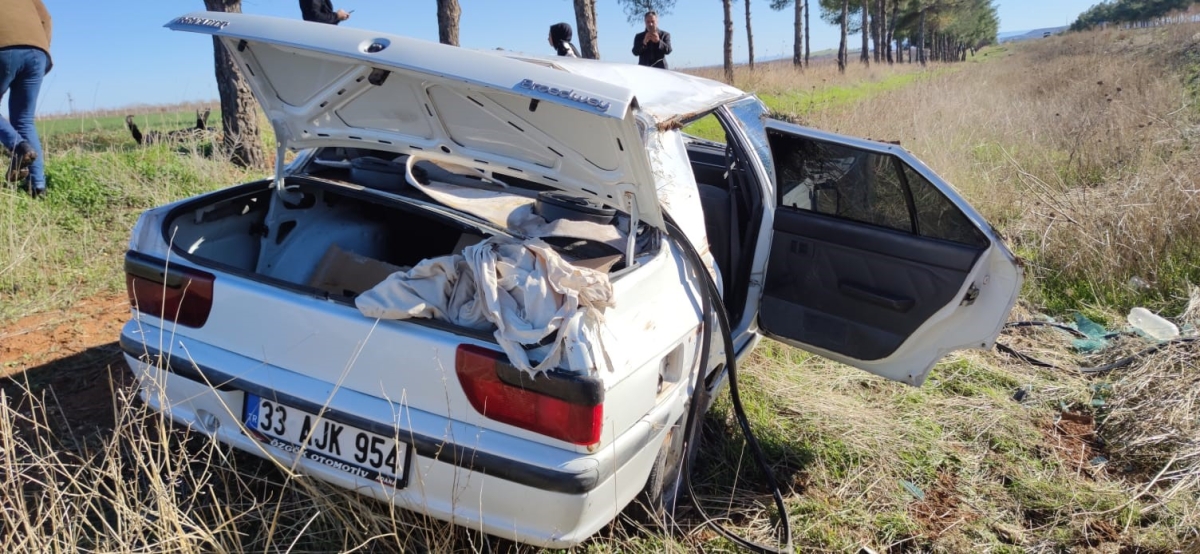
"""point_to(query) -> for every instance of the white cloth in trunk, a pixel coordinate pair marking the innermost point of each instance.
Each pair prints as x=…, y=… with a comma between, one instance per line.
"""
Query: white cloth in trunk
x=524, y=290
x=440, y=288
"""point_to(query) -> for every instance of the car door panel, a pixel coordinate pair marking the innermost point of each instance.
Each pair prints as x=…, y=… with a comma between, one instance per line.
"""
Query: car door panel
x=876, y=262
x=882, y=284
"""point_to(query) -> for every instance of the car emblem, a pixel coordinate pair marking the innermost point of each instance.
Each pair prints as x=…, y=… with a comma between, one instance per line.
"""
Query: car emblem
x=569, y=94
x=201, y=22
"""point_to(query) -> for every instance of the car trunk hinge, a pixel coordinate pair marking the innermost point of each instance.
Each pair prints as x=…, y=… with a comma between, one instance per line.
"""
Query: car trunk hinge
x=280, y=150
x=631, y=240
x=282, y=137
x=281, y=147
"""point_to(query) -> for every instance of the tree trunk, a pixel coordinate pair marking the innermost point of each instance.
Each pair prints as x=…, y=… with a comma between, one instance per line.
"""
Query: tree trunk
x=877, y=32
x=842, y=57
x=921, y=39
x=728, y=5
x=448, y=13
x=899, y=51
x=749, y=35
x=865, y=55
x=585, y=20
x=891, y=30
x=807, y=34
x=882, y=44
x=798, y=44
x=239, y=113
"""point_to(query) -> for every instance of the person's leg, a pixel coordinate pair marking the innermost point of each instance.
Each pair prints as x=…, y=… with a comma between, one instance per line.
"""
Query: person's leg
x=22, y=106
x=9, y=136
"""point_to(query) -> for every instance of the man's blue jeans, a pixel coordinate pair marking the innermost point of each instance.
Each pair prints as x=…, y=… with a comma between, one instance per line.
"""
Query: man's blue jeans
x=21, y=72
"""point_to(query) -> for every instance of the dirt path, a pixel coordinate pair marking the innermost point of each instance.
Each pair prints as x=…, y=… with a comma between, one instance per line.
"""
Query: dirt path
x=38, y=339
x=68, y=357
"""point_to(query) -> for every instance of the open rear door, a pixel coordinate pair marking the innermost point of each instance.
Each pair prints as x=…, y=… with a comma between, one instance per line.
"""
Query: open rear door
x=875, y=261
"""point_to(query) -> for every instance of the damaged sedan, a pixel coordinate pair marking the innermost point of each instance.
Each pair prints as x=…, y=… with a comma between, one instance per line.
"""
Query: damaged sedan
x=486, y=276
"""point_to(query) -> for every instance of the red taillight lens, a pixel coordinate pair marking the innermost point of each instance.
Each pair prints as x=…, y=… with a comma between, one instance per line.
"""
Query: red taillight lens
x=169, y=292
x=564, y=407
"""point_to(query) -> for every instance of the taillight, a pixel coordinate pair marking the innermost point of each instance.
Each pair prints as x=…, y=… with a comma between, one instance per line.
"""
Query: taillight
x=168, y=291
x=559, y=405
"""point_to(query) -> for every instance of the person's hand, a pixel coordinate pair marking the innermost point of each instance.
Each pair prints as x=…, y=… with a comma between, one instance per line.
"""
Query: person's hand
x=343, y=15
x=652, y=36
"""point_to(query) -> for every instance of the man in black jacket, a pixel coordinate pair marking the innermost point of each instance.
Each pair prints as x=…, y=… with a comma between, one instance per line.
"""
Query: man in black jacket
x=321, y=11
x=652, y=45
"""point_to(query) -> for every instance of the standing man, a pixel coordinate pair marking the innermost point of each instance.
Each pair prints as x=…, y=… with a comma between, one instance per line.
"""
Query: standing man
x=24, y=60
x=652, y=45
x=321, y=11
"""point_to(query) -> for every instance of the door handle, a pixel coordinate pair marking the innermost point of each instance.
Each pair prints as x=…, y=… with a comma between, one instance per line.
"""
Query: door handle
x=866, y=294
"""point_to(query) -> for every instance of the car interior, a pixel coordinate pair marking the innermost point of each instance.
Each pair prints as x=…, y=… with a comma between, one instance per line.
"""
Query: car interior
x=732, y=213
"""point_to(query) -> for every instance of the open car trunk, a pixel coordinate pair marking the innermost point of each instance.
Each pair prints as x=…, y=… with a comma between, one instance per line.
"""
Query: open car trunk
x=335, y=241
x=340, y=240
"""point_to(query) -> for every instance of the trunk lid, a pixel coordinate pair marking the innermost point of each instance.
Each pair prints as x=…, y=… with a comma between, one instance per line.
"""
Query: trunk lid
x=324, y=85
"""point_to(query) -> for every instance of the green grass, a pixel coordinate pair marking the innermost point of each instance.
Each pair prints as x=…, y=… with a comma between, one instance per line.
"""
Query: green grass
x=73, y=240
x=839, y=96
x=146, y=121
x=1065, y=292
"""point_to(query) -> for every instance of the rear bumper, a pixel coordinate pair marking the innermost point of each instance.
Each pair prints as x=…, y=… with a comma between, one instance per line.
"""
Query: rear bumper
x=476, y=477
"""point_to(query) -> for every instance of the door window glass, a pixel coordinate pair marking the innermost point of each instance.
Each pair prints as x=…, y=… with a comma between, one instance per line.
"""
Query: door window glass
x=937, y=216
x=840, y=181
x=867, y=187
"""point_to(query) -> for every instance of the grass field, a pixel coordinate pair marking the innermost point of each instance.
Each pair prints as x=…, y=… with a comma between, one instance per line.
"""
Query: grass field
x=1081, y=149
x=163, y=121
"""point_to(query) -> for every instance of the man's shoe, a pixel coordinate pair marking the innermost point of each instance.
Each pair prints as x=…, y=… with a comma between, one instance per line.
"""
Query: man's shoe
x=36, y=193
x=22, y=157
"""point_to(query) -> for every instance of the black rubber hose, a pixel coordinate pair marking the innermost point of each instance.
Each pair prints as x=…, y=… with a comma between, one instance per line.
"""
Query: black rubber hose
x=1085, y=370
x=708, y=292
x=1072, y=330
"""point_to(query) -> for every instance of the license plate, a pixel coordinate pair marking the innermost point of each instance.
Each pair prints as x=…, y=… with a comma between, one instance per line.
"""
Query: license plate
x=330, y=443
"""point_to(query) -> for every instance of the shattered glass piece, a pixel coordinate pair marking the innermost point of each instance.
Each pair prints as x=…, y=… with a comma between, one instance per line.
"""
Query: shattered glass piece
x=913, y=489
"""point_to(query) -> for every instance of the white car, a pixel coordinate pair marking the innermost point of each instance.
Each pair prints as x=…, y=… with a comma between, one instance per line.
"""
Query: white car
x=317, y=318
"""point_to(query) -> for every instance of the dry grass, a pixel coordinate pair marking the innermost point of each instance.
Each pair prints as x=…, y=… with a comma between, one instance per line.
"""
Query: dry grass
x=143, y=485
x=1152, y=426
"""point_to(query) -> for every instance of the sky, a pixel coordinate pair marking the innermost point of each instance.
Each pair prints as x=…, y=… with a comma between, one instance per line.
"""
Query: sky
x=117, y=54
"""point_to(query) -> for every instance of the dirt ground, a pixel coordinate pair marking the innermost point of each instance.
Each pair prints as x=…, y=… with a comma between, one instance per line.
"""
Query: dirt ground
x=70, y=357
